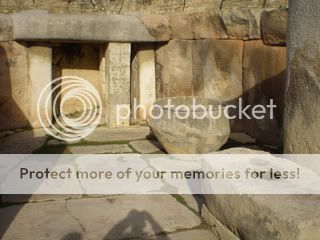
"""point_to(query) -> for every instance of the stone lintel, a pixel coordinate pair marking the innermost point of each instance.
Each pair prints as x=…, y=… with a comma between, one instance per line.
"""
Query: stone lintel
x=36, y=25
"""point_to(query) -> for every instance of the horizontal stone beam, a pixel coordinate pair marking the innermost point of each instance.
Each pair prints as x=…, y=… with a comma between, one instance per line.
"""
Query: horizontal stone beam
x=40, y=25
x=243, y=24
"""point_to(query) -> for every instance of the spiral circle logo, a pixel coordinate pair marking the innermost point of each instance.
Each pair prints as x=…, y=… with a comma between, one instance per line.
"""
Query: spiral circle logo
x=68, y=127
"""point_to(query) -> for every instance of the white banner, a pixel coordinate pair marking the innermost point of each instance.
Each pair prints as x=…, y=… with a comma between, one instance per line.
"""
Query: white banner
x=160, y=174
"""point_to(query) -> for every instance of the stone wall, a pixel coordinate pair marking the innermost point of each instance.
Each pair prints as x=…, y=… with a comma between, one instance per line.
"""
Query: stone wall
x=134, y=6
x=302, y=91
x=236, y=52
x=221, y=49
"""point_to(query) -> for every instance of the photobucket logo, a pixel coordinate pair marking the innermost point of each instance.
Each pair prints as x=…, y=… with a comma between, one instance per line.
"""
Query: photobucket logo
x=50, y=108
x=193, y=109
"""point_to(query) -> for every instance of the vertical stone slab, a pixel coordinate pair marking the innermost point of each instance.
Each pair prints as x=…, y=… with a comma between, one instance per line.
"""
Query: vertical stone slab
x=302, y=100
x=14, y=86
x=174, y=69
x=264, y=73
x=118, y=84
x=143, y=82
x=103, y=81
x=40, y=75
x=217, y=69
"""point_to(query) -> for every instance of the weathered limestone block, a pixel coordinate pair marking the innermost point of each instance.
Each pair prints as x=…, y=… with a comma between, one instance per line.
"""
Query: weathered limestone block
x=274, y=27
x=264, y=73
x=118, y=84
x=111, y=6
x=40, y=75
x=103, y=82
x=242, y=23
x=5, y=28
x=39, y=25
x=182, y=133
x=276, y=3
x=157, y=25
x=174, y=69
x=197, y=26
x=14, y=86
x=242, y=3
x=143, y=82
x=266, y=216
x=302, y=102
x=217, y=69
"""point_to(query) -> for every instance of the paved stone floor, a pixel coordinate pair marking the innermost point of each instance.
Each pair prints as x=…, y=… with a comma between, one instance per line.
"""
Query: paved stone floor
x=102, y=140
x=96, y=217
x=106, y=217
x=99, y=217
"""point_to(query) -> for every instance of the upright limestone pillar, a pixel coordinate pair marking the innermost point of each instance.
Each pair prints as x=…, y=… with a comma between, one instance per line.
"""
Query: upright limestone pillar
x=302, y=100
x=40, y=75
x=117, y=62
x=143, y=82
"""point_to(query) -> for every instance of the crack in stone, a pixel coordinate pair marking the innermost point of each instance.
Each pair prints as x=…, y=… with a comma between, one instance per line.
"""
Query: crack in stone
x=83, y=230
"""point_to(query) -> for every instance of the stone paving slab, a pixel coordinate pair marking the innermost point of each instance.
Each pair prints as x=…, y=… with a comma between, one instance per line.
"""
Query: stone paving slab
x=118, y=134
x=101, y=149
x=242, y=138
x=146, y=146
x=23, y=142
x=6, y=133
x=116, y=217
x=45, y=221
x=201, y=234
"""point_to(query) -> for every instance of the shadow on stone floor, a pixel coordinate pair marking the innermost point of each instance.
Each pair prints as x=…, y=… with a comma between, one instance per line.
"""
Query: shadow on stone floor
x=132, y=227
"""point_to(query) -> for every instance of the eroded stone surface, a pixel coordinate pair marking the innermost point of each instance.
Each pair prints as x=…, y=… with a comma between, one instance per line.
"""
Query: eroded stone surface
x=146, y=146
x=115, y=135
x=23, y=142
x=301, y=122
x=218, y=230
x=208, y=68
x=197, y=25
x=113, y=7
x=14, y=86
x=274, y=25
x=157, y=26
x=40, y=76
x=266, y=216
x=242, y=23
x=264, y=75
x=100, y=149
x=143, y=81
x=202, y=234
x=242, y=138
x=189, y=135
x=145, y=215
x=117, y=72
x=39, y=25
x=217, y=69
x=5, y=28
x=174, y=69
x=50, y=220
x=277, y=3
x=242, y=3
